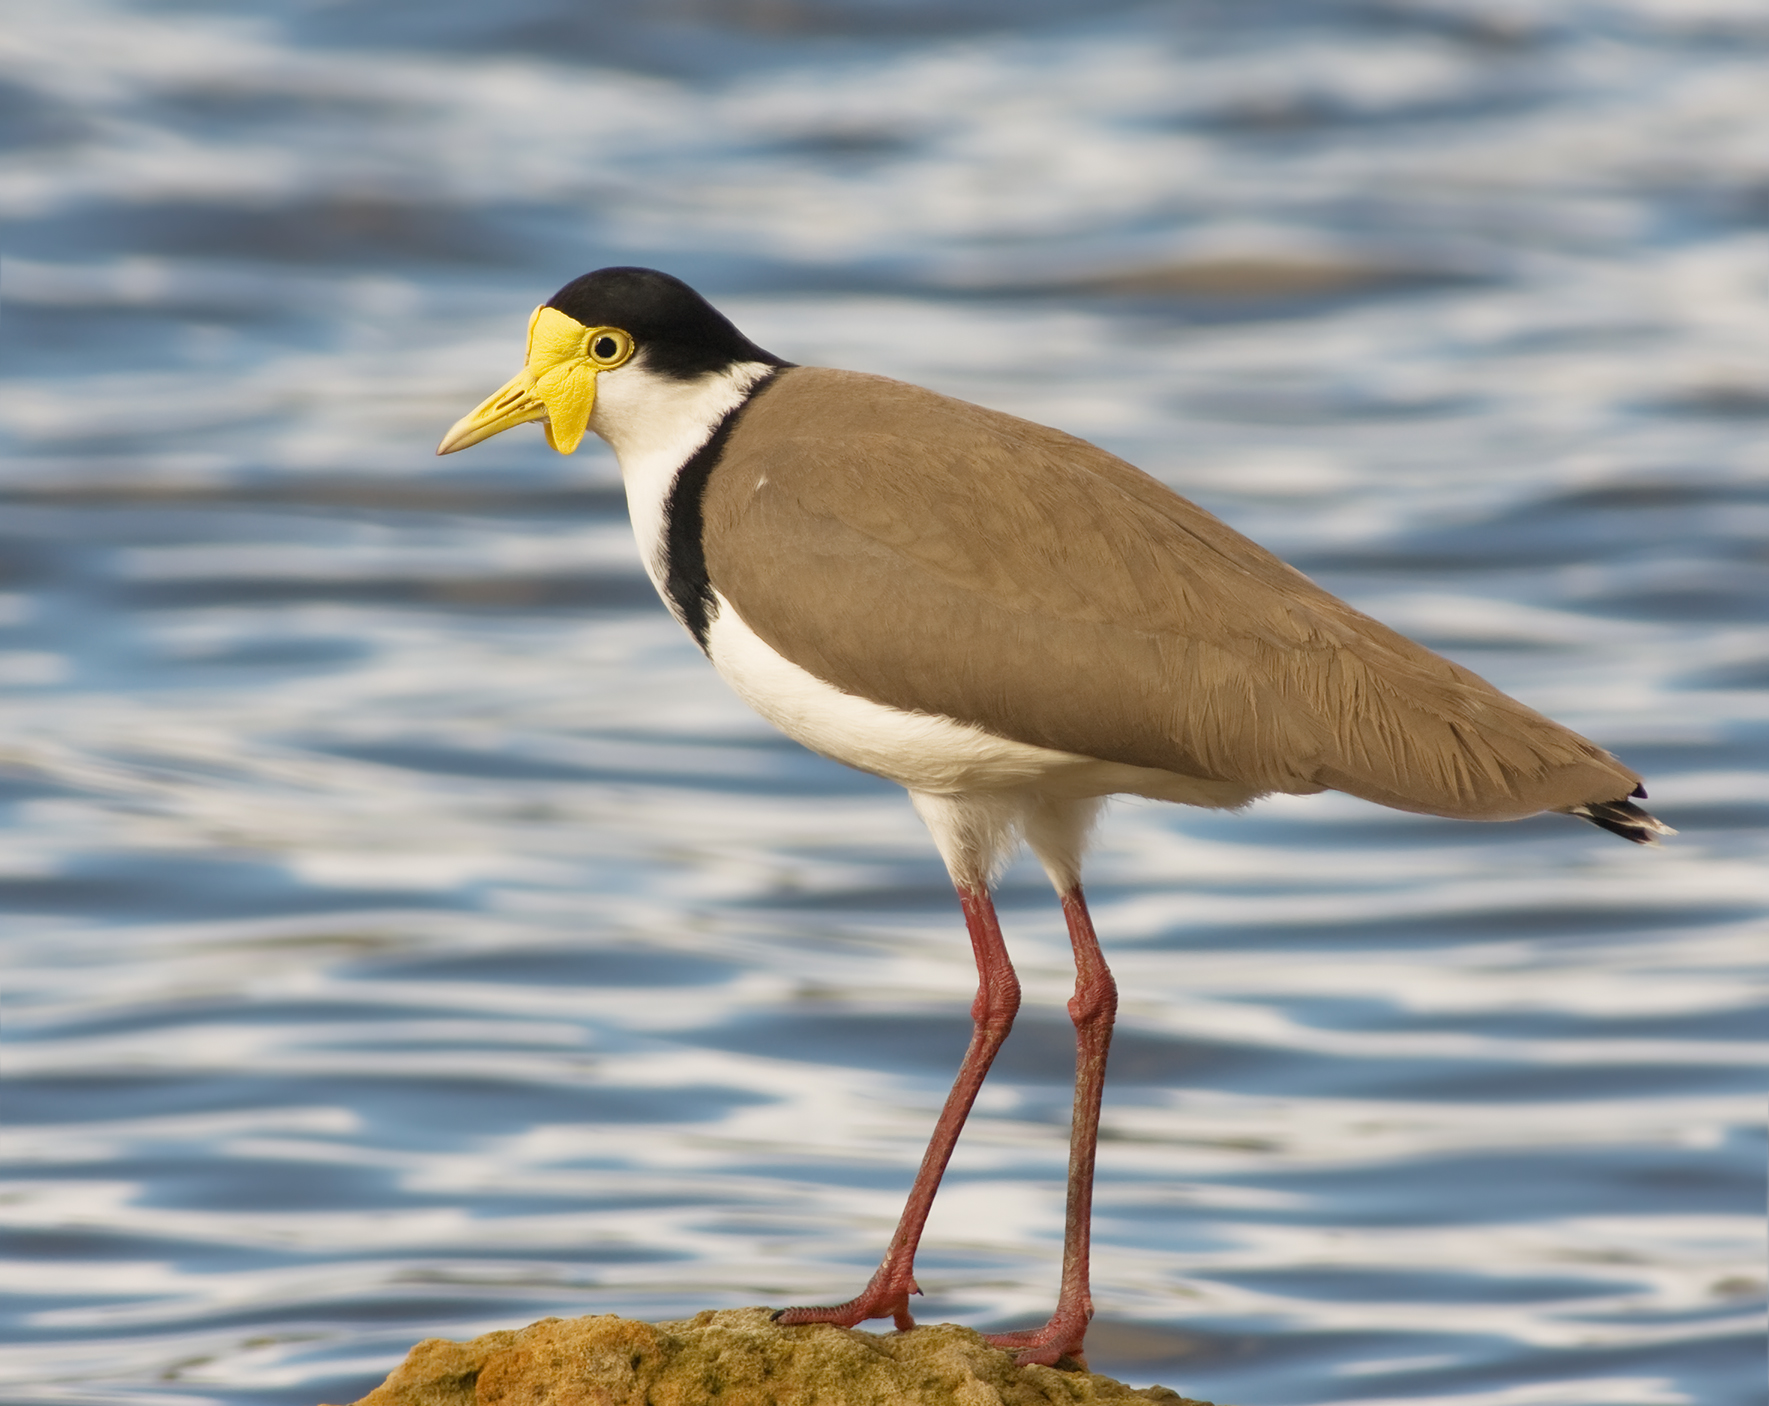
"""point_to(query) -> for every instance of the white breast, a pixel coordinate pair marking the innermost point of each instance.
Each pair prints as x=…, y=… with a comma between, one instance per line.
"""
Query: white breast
x=654, y=425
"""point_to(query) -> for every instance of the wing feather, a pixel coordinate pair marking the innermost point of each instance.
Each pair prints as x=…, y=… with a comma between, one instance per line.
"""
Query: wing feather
x=943, y=558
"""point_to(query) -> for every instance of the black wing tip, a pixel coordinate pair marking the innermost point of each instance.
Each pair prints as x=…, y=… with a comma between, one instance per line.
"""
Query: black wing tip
x=1624, y=818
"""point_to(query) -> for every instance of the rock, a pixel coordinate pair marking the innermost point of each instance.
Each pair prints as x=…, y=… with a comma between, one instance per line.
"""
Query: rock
x=736, y=1357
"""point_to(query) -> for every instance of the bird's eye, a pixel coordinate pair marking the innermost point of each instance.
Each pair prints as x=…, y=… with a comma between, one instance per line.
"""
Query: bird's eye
x=609, y=348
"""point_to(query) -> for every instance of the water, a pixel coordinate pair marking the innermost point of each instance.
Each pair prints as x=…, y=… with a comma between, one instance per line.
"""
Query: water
x=408, y=935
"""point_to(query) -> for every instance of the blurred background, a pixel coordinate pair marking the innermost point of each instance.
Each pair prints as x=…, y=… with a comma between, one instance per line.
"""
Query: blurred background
x=405, y=932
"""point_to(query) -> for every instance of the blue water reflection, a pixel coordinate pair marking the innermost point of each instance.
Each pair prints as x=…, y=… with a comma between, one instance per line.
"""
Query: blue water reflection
x=406, y=934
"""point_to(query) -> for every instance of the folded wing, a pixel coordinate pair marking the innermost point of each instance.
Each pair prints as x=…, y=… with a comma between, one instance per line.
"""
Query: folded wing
x=943, y=558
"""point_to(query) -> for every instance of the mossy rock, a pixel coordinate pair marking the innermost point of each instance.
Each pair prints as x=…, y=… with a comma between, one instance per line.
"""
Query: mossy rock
x=736, y=1357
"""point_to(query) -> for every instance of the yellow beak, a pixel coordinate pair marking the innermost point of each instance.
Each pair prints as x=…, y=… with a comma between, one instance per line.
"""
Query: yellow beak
x=557, y=383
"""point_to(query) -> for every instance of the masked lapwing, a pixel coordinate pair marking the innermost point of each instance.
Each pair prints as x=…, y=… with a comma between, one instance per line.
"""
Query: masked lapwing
x=1014, y=625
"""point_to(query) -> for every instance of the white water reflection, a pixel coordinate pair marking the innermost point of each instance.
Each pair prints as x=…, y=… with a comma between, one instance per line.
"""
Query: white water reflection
x=406, y=934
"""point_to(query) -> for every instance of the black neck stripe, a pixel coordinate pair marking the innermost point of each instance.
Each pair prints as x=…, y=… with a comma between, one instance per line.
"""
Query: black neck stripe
x=685, y=578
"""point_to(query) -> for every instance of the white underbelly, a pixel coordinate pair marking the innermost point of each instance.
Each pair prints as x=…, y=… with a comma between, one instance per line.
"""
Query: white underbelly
x=924, y=752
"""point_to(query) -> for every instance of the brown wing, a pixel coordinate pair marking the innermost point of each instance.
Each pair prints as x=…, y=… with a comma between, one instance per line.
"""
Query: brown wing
x=943, y=558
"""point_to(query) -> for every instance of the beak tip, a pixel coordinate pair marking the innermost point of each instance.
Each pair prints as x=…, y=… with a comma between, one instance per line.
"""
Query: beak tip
x=464, y=433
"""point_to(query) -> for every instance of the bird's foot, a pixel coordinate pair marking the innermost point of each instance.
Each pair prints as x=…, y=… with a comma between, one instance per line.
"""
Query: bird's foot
x=1043, y=1347
x=889, y=1299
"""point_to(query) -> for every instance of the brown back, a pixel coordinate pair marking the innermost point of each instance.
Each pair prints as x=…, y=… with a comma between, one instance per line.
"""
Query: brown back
x=942, y=558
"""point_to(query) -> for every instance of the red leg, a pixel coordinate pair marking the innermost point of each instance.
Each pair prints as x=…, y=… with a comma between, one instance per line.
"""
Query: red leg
x=998, y=998
x=1093, y=1008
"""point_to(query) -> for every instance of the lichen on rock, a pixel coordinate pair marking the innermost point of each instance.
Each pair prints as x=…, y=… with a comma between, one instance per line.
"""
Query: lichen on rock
x=736, y=1357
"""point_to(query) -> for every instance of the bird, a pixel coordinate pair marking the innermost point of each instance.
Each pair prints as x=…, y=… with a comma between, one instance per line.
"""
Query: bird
x=1014, y=625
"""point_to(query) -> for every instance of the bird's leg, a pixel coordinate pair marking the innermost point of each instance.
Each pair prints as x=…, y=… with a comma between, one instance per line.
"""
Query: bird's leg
x=1093, y=1008
x=992, y=1013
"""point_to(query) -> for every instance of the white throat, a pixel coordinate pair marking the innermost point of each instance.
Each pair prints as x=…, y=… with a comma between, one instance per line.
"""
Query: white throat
x=654, y=424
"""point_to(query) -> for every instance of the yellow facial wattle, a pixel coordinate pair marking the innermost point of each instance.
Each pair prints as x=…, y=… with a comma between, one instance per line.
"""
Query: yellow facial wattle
x=557, y=383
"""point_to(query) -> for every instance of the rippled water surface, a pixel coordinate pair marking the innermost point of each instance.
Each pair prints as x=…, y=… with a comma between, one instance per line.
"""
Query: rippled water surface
x=407, y=934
